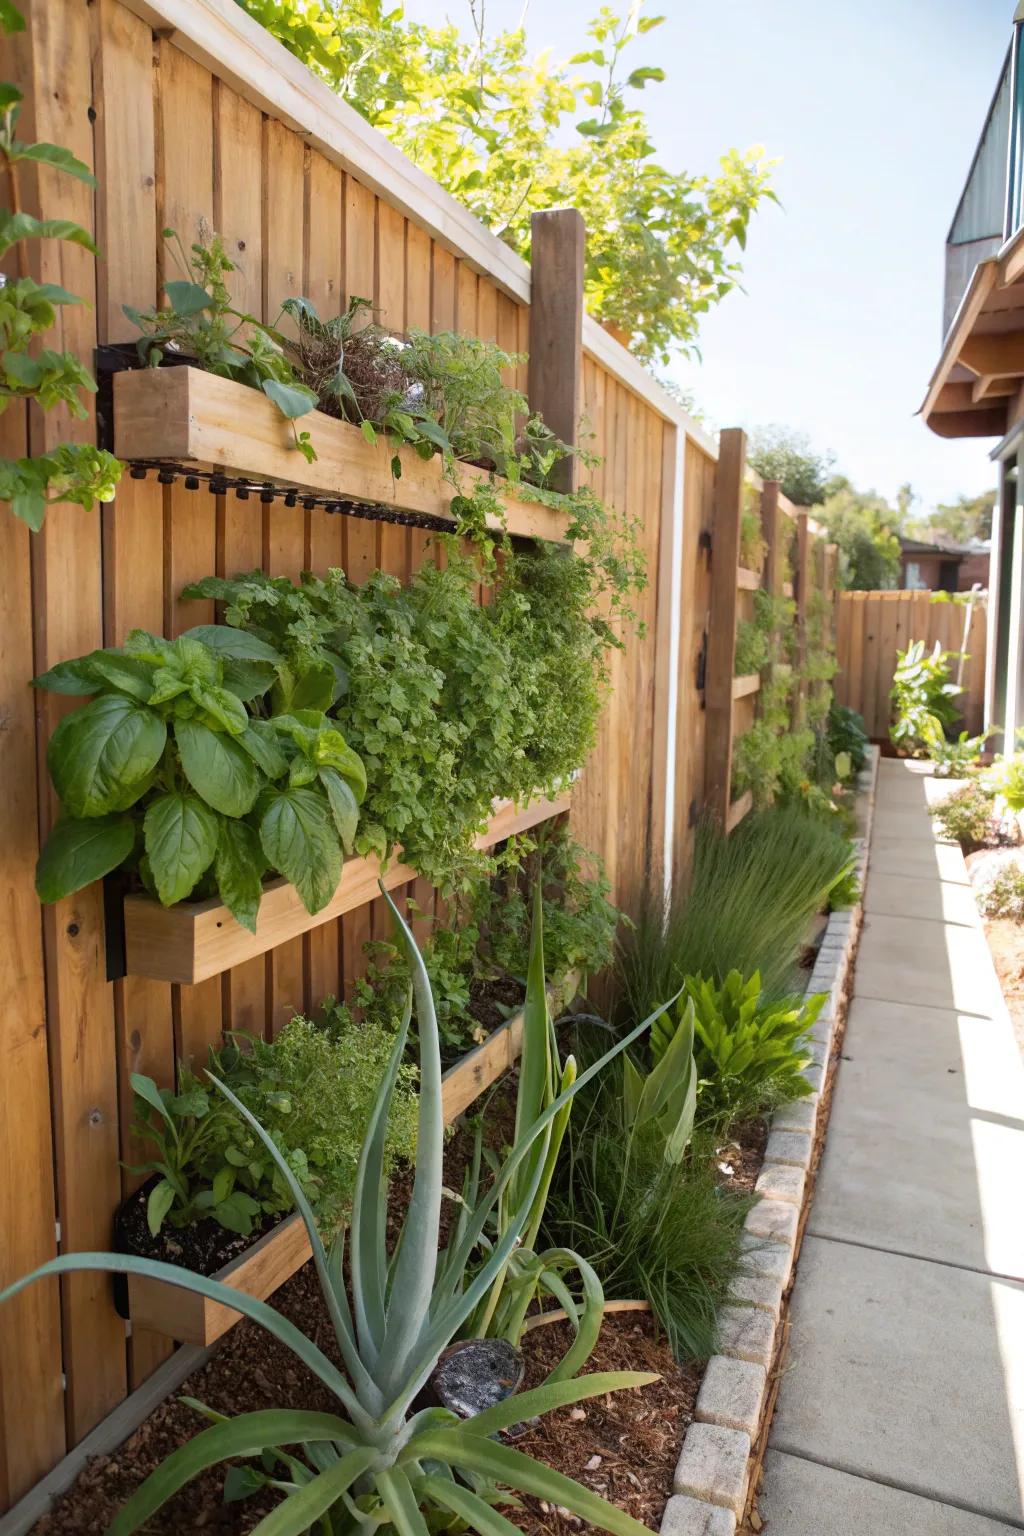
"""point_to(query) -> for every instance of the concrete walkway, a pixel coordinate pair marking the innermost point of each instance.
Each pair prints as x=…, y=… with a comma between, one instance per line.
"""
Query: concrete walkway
x=903, y=1404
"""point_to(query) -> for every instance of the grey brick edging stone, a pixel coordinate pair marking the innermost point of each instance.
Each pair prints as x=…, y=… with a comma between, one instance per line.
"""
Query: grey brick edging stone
x=709, y=1489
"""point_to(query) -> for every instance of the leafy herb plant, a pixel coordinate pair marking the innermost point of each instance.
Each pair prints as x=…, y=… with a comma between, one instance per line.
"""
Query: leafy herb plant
x=377, y=1459
x=73, y=472
x=174, y=769
x=923, y=699
x=749, y=1050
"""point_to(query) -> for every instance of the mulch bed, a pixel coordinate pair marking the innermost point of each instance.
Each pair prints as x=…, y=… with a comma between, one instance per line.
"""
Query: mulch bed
x=623, y=1446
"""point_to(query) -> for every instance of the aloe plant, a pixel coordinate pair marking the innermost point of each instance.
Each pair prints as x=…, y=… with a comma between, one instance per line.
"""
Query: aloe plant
x=377, y=1460
x=527, y=1273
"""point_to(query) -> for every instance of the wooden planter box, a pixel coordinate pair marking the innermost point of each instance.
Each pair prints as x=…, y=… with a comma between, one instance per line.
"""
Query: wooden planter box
x=182, y=415
x=192, y=1319
x=194, y=940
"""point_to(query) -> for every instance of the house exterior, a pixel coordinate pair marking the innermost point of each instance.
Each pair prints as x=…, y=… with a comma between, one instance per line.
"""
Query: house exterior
x=940, y=565
x=977, y=388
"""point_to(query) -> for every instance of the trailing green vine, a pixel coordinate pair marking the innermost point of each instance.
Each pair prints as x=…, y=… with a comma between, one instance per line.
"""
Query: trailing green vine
x=72, y=472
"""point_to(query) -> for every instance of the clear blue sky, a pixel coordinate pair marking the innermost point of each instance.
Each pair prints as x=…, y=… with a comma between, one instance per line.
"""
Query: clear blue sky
x=874, y=109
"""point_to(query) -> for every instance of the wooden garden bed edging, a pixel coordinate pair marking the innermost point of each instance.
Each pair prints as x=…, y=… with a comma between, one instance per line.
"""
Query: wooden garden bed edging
x=723, y=1448
x=186, y=416
x=192, y=1319
x=194, y=940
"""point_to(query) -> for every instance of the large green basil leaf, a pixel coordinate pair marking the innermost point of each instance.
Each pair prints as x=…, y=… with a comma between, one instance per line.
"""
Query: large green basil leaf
x=75, y=676
x=313, y=688
x=238, y=866
x=79, y=852
x=300, y=840
x=152, y=648
x=344, y=806
x=259, y=739
x=181, y=840
x=87, y=674
x=238, y=644
x=217, y=768
x=102, y=757
x=333, y=751
x=250, y=664
x=222, y=707
x=125, y=673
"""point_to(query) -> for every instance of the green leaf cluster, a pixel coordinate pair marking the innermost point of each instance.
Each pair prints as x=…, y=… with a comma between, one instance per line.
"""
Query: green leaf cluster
x=393, y=1311
x=313, y=1090
x=639, y=1197
x=486, y=935
x=750, y=1050
x=923, y=699
x=510, y=134
x=199, y=765
x=449, y=704
x=69, y=472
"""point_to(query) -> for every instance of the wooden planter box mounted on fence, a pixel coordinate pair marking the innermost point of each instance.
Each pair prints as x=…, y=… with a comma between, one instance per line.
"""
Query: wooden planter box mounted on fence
x=182, y=415
x=193, y=1319
x=194, y=940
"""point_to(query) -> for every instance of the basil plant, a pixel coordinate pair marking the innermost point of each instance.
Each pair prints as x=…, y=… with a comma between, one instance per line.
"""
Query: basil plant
x=378, y=1460
x=199, y=764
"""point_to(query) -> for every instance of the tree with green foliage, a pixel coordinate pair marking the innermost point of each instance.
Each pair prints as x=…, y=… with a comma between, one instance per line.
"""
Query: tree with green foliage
x=862, y=523
x=778, y=453
x=509, y=134
x=968, y=517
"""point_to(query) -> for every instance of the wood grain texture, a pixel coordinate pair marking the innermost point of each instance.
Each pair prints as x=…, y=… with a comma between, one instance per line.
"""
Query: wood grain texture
x=729, y=483
x=558, y=247
x=195, y=940
x=191, y=416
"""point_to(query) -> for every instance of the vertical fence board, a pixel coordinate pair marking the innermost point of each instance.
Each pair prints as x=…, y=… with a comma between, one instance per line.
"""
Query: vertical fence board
x=722, y=629
x=67, y=613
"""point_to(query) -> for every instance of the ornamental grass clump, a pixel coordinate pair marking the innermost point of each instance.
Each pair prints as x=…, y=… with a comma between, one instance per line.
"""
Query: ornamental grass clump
x=638, y=1195
x=748, y=906
x=378, y=1460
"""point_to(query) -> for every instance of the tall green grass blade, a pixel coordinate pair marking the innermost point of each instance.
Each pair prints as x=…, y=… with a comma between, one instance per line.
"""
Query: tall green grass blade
x=248, y=1435
x=521, y=1472
x=296, y=1515
x=270, y=1319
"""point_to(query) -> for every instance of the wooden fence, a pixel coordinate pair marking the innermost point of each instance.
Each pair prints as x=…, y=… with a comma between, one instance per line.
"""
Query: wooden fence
x=194, y=118
x=872, y=626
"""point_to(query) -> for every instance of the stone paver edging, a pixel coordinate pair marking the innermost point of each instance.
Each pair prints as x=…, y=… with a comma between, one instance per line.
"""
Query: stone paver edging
x=709, y=1489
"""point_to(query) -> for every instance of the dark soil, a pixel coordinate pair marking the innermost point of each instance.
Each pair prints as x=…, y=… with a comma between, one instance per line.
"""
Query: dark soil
x=491, y=1002
x=204, y=1246
x=623, y=1445
x=739, y=1160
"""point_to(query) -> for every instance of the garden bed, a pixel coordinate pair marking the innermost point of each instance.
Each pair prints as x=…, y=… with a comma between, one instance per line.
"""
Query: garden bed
x=634, y=1435
x=192, y=941
x=185, y=416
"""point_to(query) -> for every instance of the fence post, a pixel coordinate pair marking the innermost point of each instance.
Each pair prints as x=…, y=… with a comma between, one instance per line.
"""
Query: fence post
x=555, y=388
x=770, y=515
x=801, y=583
x=721, y=660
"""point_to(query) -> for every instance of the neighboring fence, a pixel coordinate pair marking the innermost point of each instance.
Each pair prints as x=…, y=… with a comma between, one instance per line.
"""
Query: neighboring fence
x=872, y=626
x=195, y=118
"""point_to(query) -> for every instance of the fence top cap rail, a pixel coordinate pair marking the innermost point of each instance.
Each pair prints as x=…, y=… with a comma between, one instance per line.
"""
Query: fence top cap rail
x=233, y=46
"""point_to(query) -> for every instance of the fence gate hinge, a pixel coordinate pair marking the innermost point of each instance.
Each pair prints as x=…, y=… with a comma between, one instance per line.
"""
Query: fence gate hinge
x=702, y=664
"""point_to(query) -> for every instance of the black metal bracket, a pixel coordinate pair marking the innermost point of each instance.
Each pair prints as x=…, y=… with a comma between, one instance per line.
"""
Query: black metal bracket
x=702, y=667
x=115, y=887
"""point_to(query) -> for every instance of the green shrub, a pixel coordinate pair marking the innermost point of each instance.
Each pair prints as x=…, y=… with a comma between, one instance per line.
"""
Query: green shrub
x=923, y=699
x=650, y=1227
x=749, y=904
x=846, y=733
x=1003, y=895
x=966, y=816
x=749, y=1050
x=1005, y=778
x=313, y=1090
